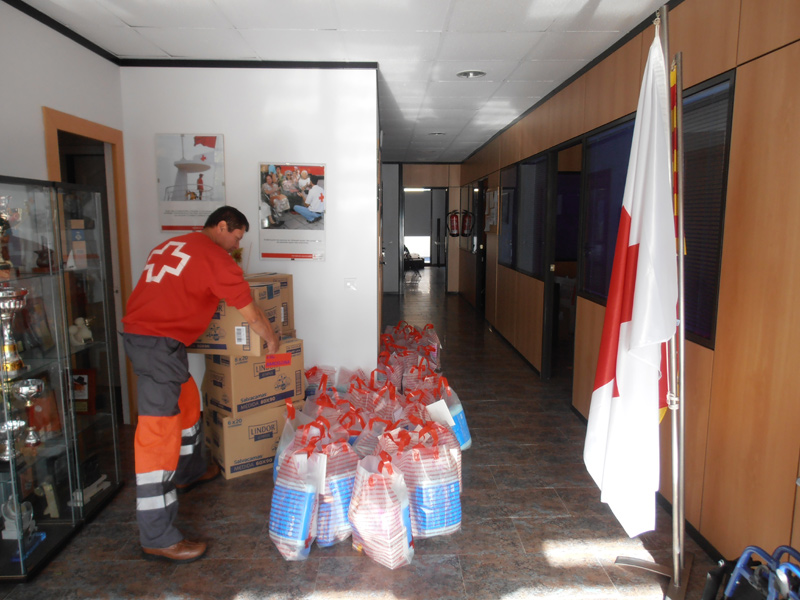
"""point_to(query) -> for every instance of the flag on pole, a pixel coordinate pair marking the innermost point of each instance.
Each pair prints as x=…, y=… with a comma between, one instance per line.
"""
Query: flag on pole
x=622, y=449
x=210, y=141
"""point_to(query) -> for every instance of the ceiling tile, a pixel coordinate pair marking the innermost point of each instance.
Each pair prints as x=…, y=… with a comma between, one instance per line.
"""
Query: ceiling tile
x=405, y=70
x=496, y=70
x=605, y=15
x=486, y=46
x=547, y=70
x=78, y=15
x=392, y=15
x=126, y=42
x=226, y=44
x=585, y=45
x=294, y=45
x=171, y=13
x=375, y=46
x=296, y=14
x=463, y=88
x=529, y=15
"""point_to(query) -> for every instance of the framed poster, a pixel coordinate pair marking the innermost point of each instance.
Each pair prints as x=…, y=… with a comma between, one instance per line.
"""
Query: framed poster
x=291, y=207
x=84, y=390
x=190, y=172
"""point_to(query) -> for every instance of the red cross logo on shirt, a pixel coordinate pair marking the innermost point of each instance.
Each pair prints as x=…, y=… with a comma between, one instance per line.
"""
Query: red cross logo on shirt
x=168, y=259
x=322, y=197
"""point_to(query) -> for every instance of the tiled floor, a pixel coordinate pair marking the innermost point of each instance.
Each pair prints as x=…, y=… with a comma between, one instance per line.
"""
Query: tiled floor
x=533, y=526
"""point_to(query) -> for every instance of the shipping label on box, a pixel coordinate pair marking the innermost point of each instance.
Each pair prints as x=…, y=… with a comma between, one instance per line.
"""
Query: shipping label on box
x=245, y=444
x=230, y=334
x=284, y=280
x=236, y=385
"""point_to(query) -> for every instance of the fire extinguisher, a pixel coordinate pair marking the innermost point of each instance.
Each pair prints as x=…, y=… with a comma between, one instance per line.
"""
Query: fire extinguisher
x=466, y=223
x=453, y=223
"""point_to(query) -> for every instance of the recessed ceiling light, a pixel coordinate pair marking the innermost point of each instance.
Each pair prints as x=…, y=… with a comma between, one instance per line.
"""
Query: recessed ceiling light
x=436, y=133
x=471, y=74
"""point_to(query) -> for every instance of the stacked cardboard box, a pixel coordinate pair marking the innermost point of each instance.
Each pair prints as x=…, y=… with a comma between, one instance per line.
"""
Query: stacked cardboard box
x=245, y=390
x=284, y=281
x=229, y=332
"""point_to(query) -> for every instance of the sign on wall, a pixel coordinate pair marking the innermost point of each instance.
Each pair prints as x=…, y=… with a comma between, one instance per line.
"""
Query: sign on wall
x=190, y=171
x=291, y=206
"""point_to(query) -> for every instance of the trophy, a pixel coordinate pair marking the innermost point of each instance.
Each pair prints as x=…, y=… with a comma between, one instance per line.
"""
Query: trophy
x=27, y=390
x=9, y=431
x=11, y=300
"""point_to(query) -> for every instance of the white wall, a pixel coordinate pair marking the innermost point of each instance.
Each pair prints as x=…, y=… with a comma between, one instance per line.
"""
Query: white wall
x=39, y=67
x=315, y=116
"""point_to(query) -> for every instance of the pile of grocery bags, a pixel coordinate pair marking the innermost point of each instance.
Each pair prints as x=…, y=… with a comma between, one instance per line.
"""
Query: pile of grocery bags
x=375, y=457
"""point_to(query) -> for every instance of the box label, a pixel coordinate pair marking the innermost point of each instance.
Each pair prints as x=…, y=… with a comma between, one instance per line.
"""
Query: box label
x=252, y=464
x=278, y=360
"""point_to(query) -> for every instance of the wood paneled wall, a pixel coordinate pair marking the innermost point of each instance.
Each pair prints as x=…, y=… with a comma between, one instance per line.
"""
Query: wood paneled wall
x=467, y=275
x=432, y=175
x=506, y=322
x=742, y=442
x=767, y=25
x=697, y=401
x=529, y=310
x=753, y=441
x=588, y=329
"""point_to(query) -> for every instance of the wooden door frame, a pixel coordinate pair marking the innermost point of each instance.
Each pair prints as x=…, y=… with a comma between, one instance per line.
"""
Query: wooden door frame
x=55, y=121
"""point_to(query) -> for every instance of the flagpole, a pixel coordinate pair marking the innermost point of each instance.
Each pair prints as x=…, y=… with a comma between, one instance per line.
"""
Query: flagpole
x=681, y=563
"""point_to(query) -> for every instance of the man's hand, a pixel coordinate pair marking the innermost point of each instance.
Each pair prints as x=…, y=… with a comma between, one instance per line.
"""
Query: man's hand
x=259, y=323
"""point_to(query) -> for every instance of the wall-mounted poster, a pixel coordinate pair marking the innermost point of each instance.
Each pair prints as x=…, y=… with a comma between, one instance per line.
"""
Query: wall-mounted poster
x=191, y=179
x=291, y=206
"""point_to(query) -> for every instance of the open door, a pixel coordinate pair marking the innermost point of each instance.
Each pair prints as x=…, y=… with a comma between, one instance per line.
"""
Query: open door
x=56, y=122
x=561, y=258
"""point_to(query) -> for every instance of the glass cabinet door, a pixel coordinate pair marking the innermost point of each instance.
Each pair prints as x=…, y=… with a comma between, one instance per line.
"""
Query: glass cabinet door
x=93, y=385
x=36, y=464
x=59, y=451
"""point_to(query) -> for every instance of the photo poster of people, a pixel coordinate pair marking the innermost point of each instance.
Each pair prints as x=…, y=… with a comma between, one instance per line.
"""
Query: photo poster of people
x=291, y=211
x=190, y=171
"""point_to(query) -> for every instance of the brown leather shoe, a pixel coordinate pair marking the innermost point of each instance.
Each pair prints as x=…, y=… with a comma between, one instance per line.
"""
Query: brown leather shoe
x=182, y=552
x=212, y=472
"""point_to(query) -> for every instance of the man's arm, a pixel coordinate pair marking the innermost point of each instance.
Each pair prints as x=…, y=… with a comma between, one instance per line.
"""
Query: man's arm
x=258, y=323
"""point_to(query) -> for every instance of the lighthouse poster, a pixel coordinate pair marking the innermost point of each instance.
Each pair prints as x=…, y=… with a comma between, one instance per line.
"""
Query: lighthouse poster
x=190, y=169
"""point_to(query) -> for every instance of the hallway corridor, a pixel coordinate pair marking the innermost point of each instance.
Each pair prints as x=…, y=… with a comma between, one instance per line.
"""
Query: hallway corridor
x=532, y=526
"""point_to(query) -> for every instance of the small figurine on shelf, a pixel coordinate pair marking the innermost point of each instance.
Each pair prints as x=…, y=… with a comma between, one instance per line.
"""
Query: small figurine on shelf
x=83, y=332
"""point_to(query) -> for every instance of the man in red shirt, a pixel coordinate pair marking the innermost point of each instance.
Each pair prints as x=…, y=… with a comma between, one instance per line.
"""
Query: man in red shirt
x=173, y=303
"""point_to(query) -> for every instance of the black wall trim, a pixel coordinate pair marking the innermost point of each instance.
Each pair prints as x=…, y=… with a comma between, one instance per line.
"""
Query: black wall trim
x=241, y=64
x=62, y=29
x=182, y=63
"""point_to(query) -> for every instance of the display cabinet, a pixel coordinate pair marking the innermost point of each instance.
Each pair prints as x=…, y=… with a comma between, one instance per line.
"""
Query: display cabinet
x=59, y=450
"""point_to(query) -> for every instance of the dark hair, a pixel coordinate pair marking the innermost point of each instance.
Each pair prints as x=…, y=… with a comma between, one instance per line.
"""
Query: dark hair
x=233, y=218
x=314, y=178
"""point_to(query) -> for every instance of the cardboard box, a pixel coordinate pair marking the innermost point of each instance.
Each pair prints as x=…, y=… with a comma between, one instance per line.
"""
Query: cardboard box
x=229, y=333
x=287, y=295
x=245, y=444
x=239, y=385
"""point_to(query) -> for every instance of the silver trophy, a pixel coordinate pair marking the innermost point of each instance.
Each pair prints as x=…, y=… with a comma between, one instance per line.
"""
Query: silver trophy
x=27, y=390
x=11, y=301
x=9, y=430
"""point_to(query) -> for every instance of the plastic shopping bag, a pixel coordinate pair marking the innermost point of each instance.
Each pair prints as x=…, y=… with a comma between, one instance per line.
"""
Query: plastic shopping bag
x=334, y=501
x=293, y=516
x=379, y=513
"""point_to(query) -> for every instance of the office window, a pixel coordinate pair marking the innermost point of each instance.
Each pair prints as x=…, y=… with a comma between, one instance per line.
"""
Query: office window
x=607, y=155
x=507, y=231
x=530, y=218
x=706, y=122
